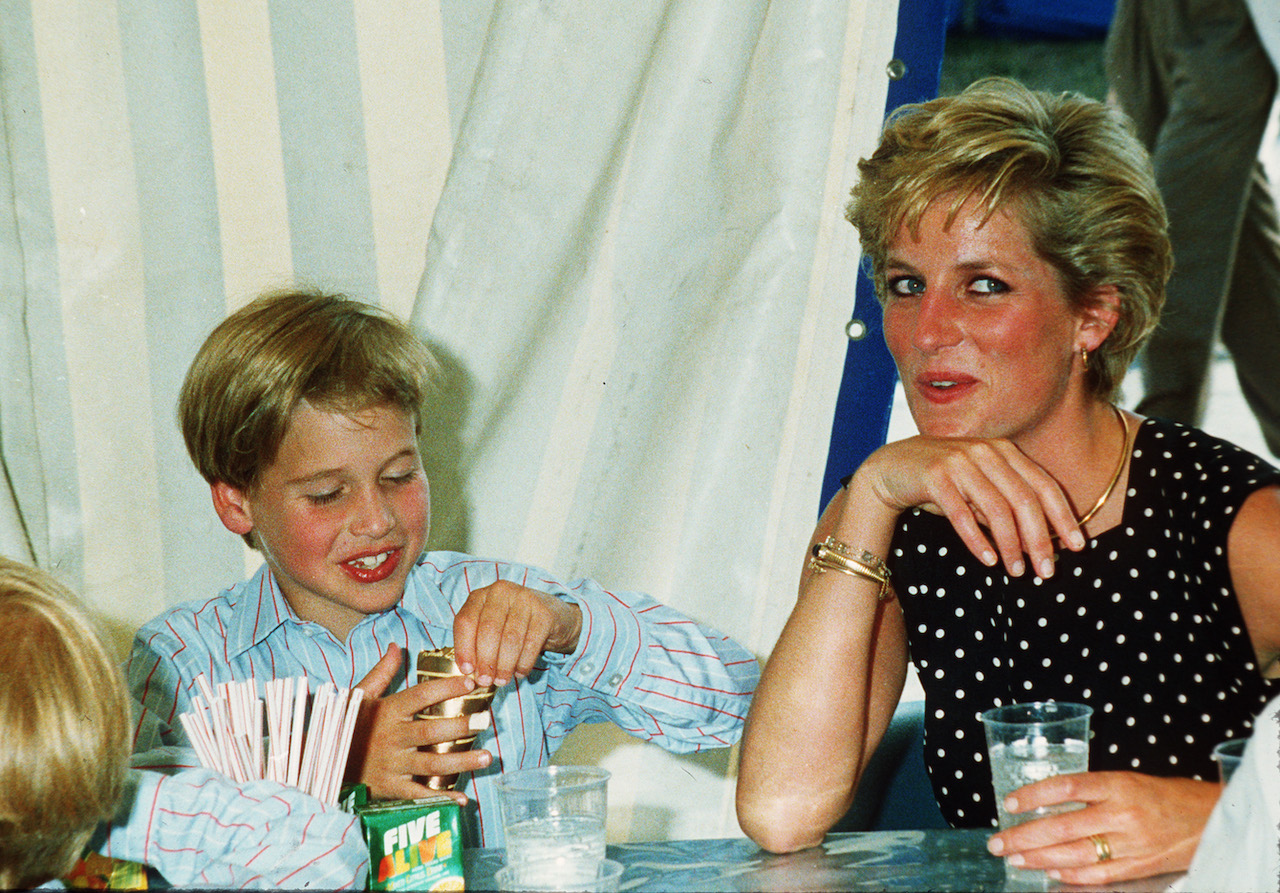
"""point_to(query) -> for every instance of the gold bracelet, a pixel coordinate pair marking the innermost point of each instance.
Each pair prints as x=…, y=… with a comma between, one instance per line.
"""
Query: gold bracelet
x=833, y=555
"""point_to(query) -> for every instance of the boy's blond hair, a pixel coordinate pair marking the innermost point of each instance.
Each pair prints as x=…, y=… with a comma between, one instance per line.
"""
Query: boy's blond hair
x=338, y=354
x=65, y=728
x=1069, y=168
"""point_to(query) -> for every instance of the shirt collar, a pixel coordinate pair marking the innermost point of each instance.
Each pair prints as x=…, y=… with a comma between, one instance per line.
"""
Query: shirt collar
x=424, y=593
x=258, y=608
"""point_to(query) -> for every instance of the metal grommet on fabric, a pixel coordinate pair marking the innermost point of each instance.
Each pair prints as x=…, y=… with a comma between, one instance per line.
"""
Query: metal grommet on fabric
x=855, y=330
x=896, y=69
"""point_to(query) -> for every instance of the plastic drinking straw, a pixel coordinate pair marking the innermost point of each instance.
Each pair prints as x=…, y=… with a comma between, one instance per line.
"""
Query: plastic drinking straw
x=226, y=729
x=255, y=738
x=199, y=744
x=332, y=742
x=296, y=734
x=203, y=684
x=319, y=708
x=344, y=749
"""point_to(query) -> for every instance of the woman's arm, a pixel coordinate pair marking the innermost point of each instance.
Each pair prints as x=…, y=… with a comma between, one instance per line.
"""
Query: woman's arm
x=826, y=696
x=829, y=689
x=1254, y=560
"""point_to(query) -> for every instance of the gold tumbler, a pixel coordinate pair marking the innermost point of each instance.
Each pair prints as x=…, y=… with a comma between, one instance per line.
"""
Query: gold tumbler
x=440, y=664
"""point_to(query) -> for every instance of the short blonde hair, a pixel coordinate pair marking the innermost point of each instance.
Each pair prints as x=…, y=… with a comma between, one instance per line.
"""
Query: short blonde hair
x=1068, y=167
x=65, y=728
x=261, y=361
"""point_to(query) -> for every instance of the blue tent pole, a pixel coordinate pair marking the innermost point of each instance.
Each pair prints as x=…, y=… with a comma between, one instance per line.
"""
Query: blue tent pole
x=865, y=399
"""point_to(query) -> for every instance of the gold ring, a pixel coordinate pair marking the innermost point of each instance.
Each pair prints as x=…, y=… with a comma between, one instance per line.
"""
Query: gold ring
x=1100, y=844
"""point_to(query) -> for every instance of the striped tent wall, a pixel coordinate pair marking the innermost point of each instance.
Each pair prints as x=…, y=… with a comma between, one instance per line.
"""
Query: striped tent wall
x=619, y=224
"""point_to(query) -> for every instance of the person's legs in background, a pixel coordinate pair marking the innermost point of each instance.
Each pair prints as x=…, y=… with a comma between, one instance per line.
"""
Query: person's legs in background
x=1251, y=321
x=1199, y=86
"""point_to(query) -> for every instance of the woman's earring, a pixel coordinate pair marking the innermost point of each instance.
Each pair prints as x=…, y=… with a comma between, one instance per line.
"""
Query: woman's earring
x=1084, y=356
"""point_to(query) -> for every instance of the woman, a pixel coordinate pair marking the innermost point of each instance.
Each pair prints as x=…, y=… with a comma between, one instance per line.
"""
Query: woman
x=1043, y=543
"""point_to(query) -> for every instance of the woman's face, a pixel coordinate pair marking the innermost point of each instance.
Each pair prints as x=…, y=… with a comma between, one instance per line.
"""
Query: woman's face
x=979, y=325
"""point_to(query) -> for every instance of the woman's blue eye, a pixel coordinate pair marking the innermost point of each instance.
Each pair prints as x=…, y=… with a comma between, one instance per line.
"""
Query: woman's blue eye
x=903, y=286
x=988, y=285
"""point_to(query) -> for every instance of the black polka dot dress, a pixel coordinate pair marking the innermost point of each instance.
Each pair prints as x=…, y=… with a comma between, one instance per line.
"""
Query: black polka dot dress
x=1143, y=625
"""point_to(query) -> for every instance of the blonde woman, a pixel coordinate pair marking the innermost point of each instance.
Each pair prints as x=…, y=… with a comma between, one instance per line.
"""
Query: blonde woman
x=1034, y=541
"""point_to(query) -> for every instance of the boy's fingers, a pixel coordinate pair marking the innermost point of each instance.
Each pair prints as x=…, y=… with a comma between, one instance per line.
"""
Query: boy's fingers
x=416, y=698
x=528, y=657
x=384, y=671
x=413, y=790
x=464, y=631
x=433, y=730
x=408, y=788
x=517, y=638
x=424, y=763
x=500, y=640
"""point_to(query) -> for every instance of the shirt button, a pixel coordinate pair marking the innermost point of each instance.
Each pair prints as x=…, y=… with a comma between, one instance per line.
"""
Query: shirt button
x=586, y=667
x=615, y=680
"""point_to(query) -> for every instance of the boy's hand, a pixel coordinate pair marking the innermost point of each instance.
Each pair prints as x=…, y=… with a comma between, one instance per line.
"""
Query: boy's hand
x=386, y=752
x=504, y=627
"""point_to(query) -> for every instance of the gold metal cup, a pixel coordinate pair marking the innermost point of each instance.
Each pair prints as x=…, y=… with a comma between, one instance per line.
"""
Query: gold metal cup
x=441, y=664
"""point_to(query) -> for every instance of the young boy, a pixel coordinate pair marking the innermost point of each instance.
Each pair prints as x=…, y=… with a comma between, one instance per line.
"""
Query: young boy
x=65, y=781
x=301, y=411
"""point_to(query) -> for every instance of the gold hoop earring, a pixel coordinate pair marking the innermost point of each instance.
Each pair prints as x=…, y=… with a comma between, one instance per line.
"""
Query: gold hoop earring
x=1084, y=357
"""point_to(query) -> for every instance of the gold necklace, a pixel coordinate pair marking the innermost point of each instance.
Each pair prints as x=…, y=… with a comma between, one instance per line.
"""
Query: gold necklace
x=1115, y=476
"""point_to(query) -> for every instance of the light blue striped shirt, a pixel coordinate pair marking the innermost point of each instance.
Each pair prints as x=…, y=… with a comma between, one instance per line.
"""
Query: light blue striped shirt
x=200, y=829
x=644, y=666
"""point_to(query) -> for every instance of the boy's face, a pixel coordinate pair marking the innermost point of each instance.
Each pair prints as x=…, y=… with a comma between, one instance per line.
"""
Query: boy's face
x=341, y=515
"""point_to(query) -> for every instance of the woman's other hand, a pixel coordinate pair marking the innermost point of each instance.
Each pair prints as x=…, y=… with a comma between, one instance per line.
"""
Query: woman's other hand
x=1150, y=825
x=1004, y=506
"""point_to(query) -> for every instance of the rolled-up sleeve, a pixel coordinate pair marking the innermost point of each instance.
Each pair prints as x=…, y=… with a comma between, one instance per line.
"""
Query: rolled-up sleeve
x=658, y=674
x=198, y=829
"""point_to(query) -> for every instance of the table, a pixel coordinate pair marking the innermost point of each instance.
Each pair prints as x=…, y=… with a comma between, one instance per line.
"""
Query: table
x=935, y=860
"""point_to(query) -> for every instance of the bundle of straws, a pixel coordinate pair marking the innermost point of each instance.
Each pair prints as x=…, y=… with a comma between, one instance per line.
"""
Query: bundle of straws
x=225, y=728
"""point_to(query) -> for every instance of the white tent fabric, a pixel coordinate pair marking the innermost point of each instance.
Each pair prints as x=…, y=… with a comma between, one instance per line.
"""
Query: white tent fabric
x=619, y=223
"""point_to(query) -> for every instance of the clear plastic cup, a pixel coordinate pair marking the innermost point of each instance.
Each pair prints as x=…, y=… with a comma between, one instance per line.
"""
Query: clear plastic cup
x=1030, y=742
x=554, y=814
x=603, y=876
x=1228, y=755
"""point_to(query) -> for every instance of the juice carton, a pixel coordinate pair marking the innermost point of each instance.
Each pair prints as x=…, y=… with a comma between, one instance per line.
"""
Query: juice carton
x=413, y=844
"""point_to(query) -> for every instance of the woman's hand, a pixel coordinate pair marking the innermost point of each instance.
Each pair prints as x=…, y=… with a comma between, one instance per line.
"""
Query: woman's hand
x=1151, y=825
x=504, y=627
x=978, y=484
x=386, y=752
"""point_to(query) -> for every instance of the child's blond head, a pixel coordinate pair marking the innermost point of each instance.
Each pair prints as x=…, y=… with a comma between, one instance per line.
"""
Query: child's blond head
x=65, y=728
x=337, y=354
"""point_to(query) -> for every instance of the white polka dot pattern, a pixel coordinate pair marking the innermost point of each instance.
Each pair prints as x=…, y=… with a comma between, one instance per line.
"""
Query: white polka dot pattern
x=1143, y=625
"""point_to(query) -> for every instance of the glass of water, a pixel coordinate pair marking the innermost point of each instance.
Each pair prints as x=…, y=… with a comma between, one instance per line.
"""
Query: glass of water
x=554, y=821
x=1228, y=755
x=1031, y=742
x=604, y=876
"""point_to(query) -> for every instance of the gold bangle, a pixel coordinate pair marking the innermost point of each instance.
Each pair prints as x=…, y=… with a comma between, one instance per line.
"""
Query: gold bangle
x=833, y=555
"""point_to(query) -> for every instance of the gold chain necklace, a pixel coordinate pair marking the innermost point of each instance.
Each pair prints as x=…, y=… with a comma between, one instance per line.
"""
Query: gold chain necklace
x=1115, y=476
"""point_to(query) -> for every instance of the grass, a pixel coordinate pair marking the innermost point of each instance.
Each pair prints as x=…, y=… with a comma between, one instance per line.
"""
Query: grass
x=1042, y=64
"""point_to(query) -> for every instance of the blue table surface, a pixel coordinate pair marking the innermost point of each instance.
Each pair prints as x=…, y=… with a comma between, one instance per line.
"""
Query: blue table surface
x=935, y=860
